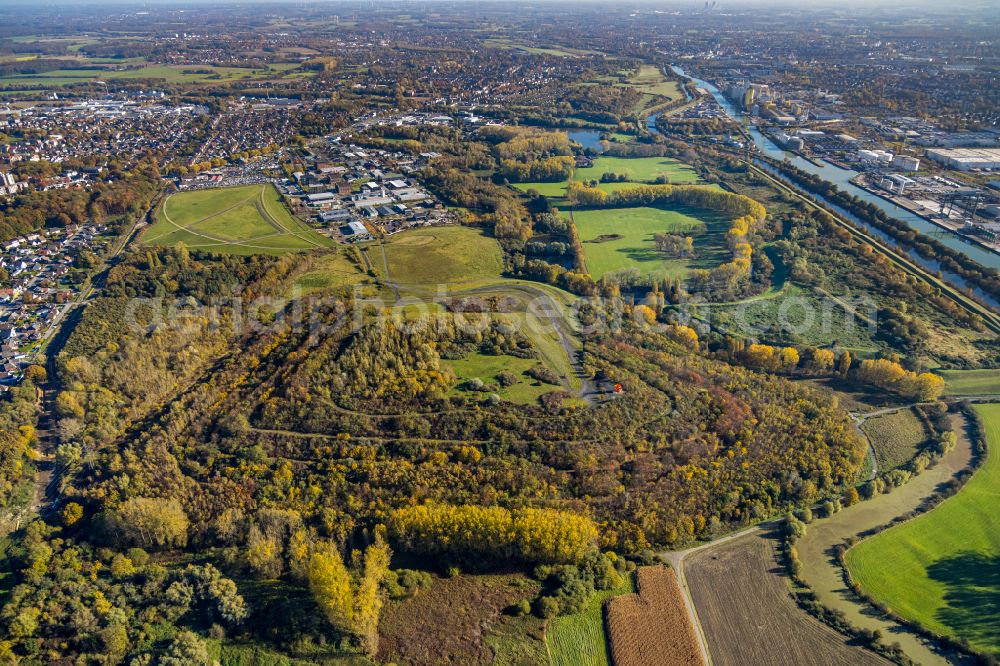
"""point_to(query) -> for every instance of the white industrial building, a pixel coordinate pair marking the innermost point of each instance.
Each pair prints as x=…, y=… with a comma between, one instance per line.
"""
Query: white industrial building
x=874, y=156
x=906, y=163
x=896, y=183
x=965, y=159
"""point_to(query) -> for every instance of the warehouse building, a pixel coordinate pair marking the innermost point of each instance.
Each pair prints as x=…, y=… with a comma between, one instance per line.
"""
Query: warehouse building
x=966, y=159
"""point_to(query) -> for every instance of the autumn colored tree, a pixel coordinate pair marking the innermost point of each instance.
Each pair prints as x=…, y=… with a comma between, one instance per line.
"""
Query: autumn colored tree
x=821, y=360
x=149, y=522
x=330, y=584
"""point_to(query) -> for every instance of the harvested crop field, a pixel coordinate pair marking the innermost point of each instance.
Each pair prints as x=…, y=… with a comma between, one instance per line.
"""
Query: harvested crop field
x=748, y=615
x=652, y=627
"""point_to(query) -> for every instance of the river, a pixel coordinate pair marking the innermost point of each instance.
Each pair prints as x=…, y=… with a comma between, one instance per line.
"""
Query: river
x=841, y=178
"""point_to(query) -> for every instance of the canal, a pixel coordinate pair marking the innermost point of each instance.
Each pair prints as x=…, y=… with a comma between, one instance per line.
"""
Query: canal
x=842, y=179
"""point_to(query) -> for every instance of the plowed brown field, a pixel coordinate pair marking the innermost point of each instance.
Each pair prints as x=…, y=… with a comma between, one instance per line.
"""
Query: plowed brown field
x=749, y=617
x=652, y=628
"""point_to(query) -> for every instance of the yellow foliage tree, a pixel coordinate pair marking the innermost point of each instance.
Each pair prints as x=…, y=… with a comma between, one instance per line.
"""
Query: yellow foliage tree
x=644, y=313
x=821, y=360
x=368, y=597
x=789, y=357
x=761, y=356
x=685, y=335
x=330, y=584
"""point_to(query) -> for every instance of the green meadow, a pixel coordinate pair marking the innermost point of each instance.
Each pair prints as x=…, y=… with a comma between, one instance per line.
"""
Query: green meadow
x=616, y=239
x=942, y=569
x=441, y=255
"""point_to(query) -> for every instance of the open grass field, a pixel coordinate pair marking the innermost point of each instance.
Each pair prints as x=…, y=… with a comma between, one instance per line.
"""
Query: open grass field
x=461, y=620
x=942, y=569
x=580, y=639
x=504, y=43
x=432, y=256
x=237, y=220
x=652, y=83
x=328, y=271
x=634, y=248
x=650, y=79
x=526, y=391
x=169, y=73
x=897, y=437
x=748, y=617
x=653, y=622
x=639, y=169
x=811, y=317
x=971, y=382
x=823, y=574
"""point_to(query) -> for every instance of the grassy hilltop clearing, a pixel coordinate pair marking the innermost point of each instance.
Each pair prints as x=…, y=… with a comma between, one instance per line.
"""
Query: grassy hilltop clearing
x=940, y=569
x=235, y=220
x=440, y=255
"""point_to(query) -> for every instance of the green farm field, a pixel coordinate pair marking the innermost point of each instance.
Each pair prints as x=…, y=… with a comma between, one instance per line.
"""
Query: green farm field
x=580, y=639
x=635, y=247
x=897, y=437
x=971, y=382
x=237, y=220
x=823, y=574
x=440, y=255
x=942, y=569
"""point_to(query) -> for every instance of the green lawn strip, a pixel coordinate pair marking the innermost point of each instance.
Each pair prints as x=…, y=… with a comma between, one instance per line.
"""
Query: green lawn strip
x=942, y=569
x=580, y=639
x=971, y=382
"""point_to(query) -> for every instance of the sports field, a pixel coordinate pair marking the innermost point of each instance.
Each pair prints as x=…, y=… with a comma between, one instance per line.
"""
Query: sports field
x=440, y=256
x=237, y=220
x=942, y=569
x=627, y=241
